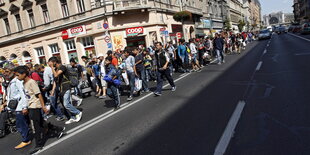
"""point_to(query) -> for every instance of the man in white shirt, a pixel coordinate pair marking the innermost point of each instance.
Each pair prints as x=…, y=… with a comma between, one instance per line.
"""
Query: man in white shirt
x=195, y=63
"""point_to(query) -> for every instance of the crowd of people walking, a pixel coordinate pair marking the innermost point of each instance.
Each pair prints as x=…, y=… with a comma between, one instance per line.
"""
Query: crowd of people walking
x=32, y=94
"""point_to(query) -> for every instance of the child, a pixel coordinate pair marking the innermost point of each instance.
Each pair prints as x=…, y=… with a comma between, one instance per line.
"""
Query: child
x=113, y=82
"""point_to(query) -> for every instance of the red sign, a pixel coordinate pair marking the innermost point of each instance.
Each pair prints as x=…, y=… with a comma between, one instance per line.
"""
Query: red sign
x=64, y=35
x=179, y=35
x=70, y=33
x=134, y=31
x=162, y=29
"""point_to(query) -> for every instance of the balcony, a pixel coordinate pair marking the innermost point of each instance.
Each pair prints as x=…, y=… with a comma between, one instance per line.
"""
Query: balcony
x=129, y=4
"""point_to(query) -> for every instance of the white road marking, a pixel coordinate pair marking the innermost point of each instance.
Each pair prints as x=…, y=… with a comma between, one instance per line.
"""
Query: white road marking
x=229, y=130
x=259, y=65
x=299, y=36
x=265, y=51
x=302, y=54
x=100, y=118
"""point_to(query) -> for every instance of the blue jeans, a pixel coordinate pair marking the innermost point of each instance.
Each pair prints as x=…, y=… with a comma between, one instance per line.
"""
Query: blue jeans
x=219, y=55
x=160, y=76
x=131, y=78
x=113, y=93
x=143, y=78
x=53, y=102
x=68, y=105
x=22, y=126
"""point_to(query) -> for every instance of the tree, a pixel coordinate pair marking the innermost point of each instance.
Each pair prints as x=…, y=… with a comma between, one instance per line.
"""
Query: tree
x=227, y=25
x=182, y=16
x=241, y=25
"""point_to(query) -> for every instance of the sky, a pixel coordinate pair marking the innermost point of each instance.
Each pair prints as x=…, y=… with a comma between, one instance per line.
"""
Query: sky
x=269, y=6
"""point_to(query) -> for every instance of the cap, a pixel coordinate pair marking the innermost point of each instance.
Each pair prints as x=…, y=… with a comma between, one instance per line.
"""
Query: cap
x=99, y=55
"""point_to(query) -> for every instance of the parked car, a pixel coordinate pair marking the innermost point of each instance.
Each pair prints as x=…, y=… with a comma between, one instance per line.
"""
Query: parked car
x=264, y=34
x=305, y=28
x=296, y=29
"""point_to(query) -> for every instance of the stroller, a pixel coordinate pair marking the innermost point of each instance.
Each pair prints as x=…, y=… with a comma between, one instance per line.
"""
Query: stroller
x=8, y=120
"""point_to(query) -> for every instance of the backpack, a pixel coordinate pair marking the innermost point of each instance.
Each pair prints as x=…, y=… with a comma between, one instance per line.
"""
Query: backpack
x=72, y=75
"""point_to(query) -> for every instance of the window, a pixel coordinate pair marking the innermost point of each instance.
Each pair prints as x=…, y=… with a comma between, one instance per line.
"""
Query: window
x=7, y=26
x=70, y=45
x=80, y=5
x=54, y=49
x=40, y=51
x=31, y=18
x=19, y=22
x=45, y=13
x=64, y=8
x=88, y=42
x=41, y=56
x=98, y=3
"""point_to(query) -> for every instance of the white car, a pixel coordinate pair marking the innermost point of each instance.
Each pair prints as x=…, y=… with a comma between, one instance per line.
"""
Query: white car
x=264, y=34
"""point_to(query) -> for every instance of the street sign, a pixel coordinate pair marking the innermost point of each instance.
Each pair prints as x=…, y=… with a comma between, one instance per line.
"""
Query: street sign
x=105, y=25
x=109, y=45
x=107, y=39
x=179, y=35
x=164, y=33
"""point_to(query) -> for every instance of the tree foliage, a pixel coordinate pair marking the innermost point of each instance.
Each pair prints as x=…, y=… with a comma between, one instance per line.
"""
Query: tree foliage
x=182, y=16
x=241, y=25
x=227, y=25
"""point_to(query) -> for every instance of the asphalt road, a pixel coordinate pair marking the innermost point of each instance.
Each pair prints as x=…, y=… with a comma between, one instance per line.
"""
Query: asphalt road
x=276, y=118
x=192, y=119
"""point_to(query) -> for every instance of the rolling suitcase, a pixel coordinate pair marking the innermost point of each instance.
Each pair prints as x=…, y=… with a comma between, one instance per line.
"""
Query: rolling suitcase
x=85, y=89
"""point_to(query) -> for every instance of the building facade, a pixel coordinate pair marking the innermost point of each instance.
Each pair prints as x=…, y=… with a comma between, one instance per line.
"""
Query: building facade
x=256, y=17
x=301, y=11
x=278, y=18
x=35, y=30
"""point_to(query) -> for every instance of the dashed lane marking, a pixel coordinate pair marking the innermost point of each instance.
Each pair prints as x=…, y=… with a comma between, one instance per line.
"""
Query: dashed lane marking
x=259, y=65
x=229, y=130
x=265, y=51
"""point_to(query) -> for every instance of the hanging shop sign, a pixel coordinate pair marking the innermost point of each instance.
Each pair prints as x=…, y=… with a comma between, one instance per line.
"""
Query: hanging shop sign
x=134, y=31
x=73, y=32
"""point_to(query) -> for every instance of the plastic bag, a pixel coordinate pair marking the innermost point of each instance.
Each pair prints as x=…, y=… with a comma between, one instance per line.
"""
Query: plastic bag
x=138, y=84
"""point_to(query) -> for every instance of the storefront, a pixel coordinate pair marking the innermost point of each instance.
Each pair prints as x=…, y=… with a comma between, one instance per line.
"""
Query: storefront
x=135, y=37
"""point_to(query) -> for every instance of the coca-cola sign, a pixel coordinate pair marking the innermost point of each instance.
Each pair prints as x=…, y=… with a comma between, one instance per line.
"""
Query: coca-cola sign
x=134, y=31
x=70, y=33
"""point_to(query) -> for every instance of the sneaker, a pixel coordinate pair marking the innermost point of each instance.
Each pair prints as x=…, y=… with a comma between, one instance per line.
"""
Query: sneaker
x=36, y=150
x=117, y=107
x=61, y=133
x=173, y=88
x=22, y=145
x=147, y=90
x=157, y=94
x=102, y=97
x=60, y=118
x=79, y=102
x=71, y=120
x=78, y=117
x=129, y=98
x=199, y=70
